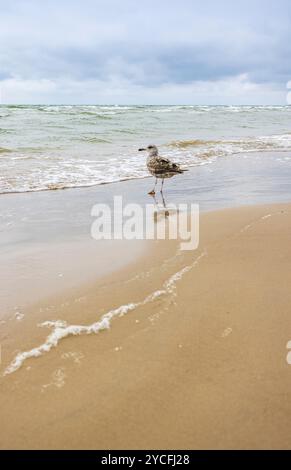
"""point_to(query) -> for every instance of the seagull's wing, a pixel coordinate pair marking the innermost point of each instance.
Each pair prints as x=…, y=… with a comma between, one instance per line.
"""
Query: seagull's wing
x=161, y=164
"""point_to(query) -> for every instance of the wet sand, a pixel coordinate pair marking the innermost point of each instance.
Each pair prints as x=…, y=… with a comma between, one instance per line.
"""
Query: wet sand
x=45, y=242
x=199, y=362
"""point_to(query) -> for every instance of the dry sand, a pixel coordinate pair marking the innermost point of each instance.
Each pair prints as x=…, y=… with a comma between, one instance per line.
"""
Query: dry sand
x=202, y=365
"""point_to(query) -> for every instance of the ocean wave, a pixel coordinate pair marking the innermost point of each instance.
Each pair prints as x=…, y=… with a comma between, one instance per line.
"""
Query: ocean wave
x=7, y=188
x=126, y=131
x=90, y=110
x=64, y=146
x=98, y=115
x=4, y=150
x=6, y=131
x=193, y=143
x=52, y=171
x=251, y=144
x=92, y=140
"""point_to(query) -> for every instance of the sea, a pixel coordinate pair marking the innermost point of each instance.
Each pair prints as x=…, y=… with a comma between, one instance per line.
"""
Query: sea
x=57, y=147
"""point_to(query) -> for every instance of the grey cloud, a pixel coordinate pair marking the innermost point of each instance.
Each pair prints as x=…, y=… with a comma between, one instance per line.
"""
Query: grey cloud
x=146, y=43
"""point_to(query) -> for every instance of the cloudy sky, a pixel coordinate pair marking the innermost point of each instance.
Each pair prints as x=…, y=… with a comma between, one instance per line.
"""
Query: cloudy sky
x=145, y=52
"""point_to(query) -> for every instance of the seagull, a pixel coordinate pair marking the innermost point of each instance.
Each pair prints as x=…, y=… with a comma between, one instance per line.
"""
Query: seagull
x=160, y=167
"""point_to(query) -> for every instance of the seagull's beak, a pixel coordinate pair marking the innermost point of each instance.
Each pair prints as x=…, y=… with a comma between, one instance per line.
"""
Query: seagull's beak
x=141, y=150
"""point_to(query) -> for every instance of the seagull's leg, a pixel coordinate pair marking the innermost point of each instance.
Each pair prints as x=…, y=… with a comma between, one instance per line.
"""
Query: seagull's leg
x=163, y=200
x=162, y=185
x=152, y=192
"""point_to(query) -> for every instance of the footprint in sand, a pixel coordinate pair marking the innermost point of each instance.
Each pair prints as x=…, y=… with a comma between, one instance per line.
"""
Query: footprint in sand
x=226, y=332
x=58, y=379
x=75, y=356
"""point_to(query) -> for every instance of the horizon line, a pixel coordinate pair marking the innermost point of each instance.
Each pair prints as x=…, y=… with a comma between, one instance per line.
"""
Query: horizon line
x=140, y=104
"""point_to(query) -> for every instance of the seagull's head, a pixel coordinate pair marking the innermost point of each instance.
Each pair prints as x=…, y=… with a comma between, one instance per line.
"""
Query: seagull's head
x=151, y=149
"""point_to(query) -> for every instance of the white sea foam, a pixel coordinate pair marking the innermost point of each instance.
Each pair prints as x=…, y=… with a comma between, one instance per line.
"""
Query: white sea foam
x=264, y=217
x=61, y=329
x=19, y=316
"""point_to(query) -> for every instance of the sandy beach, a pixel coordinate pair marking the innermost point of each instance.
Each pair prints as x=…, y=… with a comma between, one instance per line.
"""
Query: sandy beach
x=200, y=365
x=145, y=230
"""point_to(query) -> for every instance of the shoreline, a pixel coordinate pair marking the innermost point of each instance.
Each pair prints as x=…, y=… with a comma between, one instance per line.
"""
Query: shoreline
x=45, y=240
x=144, y=177
x=174, y=356
x=191, y=167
